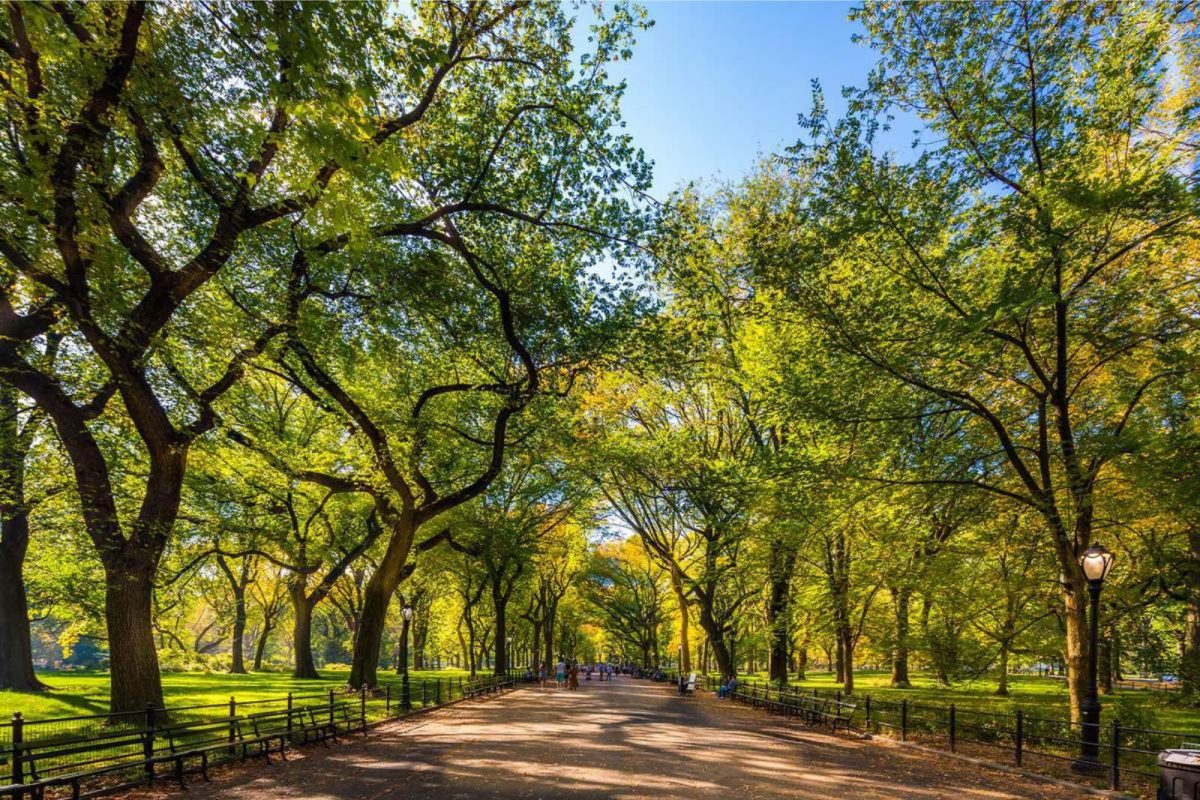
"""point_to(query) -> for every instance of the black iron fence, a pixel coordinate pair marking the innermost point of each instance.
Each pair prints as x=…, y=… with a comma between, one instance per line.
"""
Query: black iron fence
x=1127, y=757
x=90, y=755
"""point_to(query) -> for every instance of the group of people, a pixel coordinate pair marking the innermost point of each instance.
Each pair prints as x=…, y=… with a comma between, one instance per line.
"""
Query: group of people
x=566, y=673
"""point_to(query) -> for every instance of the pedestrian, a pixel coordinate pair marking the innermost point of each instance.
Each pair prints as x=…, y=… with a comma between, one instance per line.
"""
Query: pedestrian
x=542, y=674
x=560, y=675
x=574, y=677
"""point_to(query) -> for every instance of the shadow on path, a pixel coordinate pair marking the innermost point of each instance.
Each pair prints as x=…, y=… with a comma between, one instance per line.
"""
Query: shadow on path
x=625, y=739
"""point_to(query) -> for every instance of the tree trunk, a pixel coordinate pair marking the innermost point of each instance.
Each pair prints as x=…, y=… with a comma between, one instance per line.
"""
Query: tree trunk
x=134, y=677
x=377, y=596
x=1075, y=654
x=802, y=661
x=16, y=648
x=1002, y=684
x=900, y=600
x=847, y=650
x=548, y=632
x=720, y=651
x=501, y=607
x=261, y=648
x=783, y=562
x=685, y=644
x=1104, y=667
x=302, y=609
x=1189, y=667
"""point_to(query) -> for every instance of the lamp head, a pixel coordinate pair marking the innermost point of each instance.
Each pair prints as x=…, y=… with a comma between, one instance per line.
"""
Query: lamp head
x=407, y=612
x=1096, y=562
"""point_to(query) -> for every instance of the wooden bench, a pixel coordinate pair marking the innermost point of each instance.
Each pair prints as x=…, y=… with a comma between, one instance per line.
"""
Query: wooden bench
x=116, y=751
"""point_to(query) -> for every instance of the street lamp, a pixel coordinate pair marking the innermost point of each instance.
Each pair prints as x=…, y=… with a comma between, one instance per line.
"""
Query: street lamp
x=406, y=699
x=507, y=654
x=1096, y=563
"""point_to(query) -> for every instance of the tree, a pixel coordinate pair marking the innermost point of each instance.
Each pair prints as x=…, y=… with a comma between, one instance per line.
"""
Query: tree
x=1028, y=250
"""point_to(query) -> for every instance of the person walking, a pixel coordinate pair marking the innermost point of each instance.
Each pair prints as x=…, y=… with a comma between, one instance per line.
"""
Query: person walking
x=560, y=674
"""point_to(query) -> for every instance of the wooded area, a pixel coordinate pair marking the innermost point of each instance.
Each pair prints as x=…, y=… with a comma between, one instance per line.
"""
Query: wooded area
x=313, y=312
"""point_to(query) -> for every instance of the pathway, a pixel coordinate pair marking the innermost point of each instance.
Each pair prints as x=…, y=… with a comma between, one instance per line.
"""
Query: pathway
x=621, y=740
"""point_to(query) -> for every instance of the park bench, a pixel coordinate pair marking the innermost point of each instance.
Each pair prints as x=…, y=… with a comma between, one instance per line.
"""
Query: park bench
x=834, y=713
x=116, y=751
x=690, y=687
x=349, y=715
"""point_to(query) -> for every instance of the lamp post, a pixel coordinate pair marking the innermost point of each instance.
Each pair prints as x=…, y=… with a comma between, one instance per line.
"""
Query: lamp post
x=508, y=659
x=1096, y=563
x=406, y=699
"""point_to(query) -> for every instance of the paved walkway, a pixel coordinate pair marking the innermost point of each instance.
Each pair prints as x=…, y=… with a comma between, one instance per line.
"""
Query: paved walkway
x=621, y=740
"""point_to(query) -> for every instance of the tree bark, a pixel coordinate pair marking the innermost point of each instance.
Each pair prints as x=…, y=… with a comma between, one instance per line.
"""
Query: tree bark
x=16, y=649
x=783, y=562
x=134, y=676
x=261, y=648
x=685, y=660
x=900, y=600
x=1002, y=681
x=501, y=607
x=377, y=596
x=302, y=609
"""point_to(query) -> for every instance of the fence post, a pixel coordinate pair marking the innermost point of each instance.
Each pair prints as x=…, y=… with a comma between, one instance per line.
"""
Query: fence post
x=1114, y=766
x=868, y=710
x=437, y=691
x=148, y=741
x=387, y=700
x=838, y=697
x=362, y=705
x=1020, y=737
x=232, y=722
x=460, y=689
x=424, y=696
x=952, y=728
x=332, y=722
x=904, y=720
x=18, y=738
x=290, y=708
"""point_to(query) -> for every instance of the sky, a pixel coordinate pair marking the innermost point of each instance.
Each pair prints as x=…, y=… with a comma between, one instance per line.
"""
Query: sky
x=713, y=86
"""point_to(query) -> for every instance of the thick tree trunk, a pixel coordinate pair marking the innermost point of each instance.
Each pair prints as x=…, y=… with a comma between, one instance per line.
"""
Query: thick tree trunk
x=302, y=609
x=721, y=651
x=802, y=661
x=134, y=677
x=377, y=597
x=16, y=648
x=847, y=650
x=237, y=664
x=783, y=562
x=1075, y=652
x=900, y=601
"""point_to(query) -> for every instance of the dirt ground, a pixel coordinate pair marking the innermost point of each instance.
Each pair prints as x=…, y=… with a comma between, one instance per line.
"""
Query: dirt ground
x=622, y=740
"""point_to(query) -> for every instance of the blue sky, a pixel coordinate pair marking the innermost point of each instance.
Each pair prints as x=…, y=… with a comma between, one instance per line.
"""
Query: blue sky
x=713, y=85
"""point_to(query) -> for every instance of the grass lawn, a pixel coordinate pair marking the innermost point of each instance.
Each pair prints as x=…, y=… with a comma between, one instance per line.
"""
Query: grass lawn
x=1039, y=697
x=86, y=692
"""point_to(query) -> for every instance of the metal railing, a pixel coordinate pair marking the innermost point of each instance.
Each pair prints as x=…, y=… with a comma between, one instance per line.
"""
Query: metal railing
x=1127, y=757
x=123, y=748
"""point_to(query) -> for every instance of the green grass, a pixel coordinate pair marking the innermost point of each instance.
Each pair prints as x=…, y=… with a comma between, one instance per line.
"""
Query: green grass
x=86, y=692
x=1041, y=697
